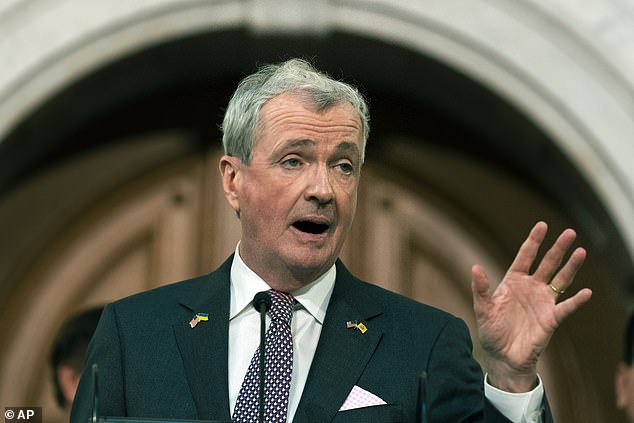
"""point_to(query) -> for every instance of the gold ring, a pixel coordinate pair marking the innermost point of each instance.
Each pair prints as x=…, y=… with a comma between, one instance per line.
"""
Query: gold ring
x=556, y=290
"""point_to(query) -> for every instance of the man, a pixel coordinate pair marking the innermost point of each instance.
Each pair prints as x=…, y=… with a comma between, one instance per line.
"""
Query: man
x=69, y=351
x=294, y=144
x=624, y=379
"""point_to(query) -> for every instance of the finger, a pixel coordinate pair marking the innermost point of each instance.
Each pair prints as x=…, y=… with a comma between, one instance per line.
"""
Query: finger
x=554, y=256
x=564, y=278
x=529, y=248
x=479, y=287
x=572, y=304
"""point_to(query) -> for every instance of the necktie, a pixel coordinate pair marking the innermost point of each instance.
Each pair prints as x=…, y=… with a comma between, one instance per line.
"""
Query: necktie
x=278, y=367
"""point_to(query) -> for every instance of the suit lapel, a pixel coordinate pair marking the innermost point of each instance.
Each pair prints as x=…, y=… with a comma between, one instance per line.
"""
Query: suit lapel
x=342, y=352
x=204, y=348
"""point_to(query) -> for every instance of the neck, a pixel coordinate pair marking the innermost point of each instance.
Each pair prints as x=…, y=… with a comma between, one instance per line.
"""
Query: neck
x=284, y=278
x=287, y=280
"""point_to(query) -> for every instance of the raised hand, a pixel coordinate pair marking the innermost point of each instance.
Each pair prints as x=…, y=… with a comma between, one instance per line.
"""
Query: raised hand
x=516, y=320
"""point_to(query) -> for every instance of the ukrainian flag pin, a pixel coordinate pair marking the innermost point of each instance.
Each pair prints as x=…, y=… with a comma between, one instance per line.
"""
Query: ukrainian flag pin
x=357, y=325
x=199, y=317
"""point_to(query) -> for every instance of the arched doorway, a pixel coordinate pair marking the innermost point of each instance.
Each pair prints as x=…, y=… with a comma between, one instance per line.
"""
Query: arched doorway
x=440, y=135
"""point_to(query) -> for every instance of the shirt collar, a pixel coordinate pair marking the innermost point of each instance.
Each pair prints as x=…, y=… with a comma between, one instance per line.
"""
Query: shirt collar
x=245, y=283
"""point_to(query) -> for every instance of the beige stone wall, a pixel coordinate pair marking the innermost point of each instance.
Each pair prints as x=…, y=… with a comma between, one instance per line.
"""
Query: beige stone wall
x=568, y=67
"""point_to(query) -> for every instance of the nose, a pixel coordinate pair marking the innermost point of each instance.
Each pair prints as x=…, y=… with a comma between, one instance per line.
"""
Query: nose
x=319, y=188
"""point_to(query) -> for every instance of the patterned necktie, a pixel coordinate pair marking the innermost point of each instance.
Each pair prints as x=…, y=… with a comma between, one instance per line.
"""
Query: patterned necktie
x=278, y=367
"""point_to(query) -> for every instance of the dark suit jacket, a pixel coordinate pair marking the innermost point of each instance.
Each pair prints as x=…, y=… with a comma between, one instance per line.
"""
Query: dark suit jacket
x=153, y=364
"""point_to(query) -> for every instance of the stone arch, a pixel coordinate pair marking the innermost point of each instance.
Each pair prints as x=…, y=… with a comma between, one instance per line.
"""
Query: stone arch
x=567, y=68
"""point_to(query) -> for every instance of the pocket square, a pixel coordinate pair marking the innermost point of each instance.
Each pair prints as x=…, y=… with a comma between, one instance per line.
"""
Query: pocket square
x=359, y=398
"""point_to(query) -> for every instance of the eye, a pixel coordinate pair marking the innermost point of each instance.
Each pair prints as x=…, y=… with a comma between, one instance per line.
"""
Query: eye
x=345, y=167
x=291, y=163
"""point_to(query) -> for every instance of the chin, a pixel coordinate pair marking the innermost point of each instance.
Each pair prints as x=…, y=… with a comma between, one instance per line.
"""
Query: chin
x=312, y=263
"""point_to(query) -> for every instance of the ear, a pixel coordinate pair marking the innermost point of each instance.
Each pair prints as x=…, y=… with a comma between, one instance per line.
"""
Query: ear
x=68, y=380
x=621, y=383
x=231, y=177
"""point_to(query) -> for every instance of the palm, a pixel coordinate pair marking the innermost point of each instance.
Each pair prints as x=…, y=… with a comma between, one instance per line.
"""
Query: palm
x=516, y=321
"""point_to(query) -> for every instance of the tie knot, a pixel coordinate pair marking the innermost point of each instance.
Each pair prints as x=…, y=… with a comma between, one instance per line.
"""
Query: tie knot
x=281, y=306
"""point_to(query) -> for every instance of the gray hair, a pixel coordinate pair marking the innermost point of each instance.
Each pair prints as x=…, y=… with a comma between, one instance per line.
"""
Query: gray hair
x=241, y=121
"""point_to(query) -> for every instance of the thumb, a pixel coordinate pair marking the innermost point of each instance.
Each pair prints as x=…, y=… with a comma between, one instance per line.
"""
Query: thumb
x=479, y=286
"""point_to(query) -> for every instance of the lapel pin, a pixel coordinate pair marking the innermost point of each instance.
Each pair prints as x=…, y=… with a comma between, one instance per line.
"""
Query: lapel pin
x=199, y=317
x=362, y=328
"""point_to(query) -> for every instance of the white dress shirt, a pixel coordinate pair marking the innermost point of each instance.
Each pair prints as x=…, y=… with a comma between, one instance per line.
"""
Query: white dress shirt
x=518, y=408
x=244, y=327
x=308, y=318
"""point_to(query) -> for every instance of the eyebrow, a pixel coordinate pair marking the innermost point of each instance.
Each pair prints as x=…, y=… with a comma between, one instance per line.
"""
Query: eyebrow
x=301, y=143
x=342, y=148
x=348, y=146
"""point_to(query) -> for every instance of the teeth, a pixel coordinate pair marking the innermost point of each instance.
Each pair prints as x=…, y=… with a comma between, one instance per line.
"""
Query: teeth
x=311, y=227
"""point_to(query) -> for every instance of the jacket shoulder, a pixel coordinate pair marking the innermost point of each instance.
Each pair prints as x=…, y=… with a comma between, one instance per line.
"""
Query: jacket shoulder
x=398, y=306
x=187, y=292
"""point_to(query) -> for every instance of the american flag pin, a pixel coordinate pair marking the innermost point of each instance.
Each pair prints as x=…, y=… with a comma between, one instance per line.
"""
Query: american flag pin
x=199, y=317
x=350, y=325
x=193, y=322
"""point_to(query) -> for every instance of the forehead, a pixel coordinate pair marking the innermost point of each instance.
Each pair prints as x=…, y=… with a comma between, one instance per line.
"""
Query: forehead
x=293, y=112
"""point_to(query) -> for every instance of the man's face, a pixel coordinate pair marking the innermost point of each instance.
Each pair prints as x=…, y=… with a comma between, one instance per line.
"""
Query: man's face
x=297, y=198
x=624, y=387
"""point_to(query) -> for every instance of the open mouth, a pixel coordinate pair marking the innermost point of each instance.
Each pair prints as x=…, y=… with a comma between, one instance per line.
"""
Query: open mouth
x=311, y=227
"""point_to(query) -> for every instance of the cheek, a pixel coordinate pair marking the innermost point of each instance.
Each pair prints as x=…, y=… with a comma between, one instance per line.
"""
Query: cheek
x=254, y=208
x=350, y=195
x=348, y=206
x=267, y=206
